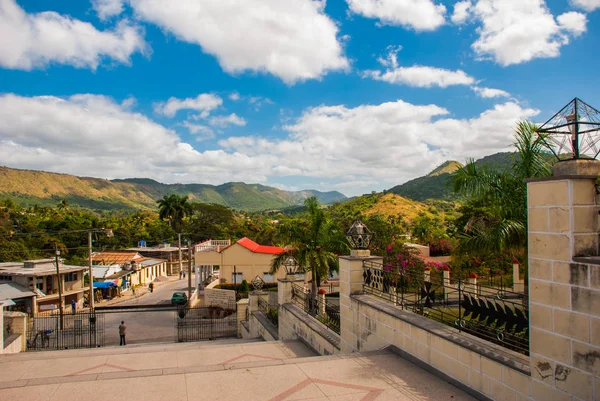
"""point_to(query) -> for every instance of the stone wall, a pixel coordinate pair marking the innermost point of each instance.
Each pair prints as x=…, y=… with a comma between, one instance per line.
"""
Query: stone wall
x=15, y=323
x=564, y=280
x=295, y=324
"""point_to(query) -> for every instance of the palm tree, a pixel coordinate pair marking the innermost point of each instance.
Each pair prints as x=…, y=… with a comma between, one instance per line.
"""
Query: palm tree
x=311, y=241
x=63, y=205
x=504, y=225
x=174, y=208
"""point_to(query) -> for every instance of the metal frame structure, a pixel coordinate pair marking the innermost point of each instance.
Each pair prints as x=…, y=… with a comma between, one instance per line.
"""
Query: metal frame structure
x=269, y=311
x=573, y=132
x=205, y=323
x=83, y=329
x=328, y=314
x=490, y=313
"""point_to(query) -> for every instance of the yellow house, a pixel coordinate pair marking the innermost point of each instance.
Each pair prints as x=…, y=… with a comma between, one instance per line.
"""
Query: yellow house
x=247, y=258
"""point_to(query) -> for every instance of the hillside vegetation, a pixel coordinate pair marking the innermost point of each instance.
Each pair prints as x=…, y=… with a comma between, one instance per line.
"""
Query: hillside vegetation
x=30, y=187
x=436, y=184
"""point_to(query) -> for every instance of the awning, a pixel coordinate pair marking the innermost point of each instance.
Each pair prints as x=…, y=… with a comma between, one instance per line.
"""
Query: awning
x=104, y=284
x=7, y=302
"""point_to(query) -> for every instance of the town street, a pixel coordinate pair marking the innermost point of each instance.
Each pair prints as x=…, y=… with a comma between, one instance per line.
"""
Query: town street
x=146, y=326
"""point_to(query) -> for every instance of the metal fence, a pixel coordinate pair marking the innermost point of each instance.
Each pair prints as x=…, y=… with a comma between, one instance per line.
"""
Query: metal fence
x=269, y=311
x=205, y=323
x=322, y=309
x=71, y=331
x=491, y=313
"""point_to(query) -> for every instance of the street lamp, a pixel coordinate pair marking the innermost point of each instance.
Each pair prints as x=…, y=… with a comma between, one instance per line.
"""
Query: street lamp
x=109, y=234
x=60, y=306
x=359, y=236
x=291, y=265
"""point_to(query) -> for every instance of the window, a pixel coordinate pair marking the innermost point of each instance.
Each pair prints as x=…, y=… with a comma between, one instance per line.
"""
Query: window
x=5, y=278
x=71, y=276
x=237, y=278
x=268, y=277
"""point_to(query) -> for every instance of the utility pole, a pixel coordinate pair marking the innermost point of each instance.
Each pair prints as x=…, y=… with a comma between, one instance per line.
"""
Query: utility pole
x=190, y=269
x=90, y=273
x=60, y=307
x=180, y=266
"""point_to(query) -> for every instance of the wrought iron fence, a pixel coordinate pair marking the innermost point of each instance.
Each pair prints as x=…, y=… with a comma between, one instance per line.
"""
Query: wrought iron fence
x=269, y=311
x=205, y=323
x=71, y=331
x=324, y=310
x=491, y=313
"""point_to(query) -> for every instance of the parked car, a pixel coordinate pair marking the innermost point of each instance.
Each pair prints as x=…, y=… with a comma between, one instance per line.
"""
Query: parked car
x=179, y=298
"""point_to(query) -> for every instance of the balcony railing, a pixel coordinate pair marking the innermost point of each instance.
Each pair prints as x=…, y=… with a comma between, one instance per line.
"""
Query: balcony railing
x=490, y=313
x=269, y=311
x=324, y=310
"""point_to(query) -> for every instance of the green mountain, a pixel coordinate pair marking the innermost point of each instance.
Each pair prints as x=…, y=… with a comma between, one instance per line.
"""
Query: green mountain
x=29, y=187
x=436, y=184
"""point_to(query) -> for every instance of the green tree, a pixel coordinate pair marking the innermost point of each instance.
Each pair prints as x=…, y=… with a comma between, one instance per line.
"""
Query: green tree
x=311, y=241
x=498, y=199
x=174, y=208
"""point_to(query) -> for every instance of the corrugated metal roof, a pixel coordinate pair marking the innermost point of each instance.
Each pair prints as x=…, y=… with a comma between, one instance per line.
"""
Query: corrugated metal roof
x=14, y=291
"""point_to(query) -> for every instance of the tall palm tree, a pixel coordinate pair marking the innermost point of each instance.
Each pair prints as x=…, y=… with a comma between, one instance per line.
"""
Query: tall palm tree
x=63, y=205
x=174, y=208
x=310, y=242
x=504, y=225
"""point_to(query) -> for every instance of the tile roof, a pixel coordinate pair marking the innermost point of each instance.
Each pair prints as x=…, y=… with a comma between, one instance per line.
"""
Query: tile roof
x=256, y=248
x=115, y=257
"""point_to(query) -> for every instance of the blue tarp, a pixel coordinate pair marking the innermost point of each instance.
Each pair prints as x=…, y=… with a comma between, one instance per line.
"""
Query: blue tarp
x=101, y=285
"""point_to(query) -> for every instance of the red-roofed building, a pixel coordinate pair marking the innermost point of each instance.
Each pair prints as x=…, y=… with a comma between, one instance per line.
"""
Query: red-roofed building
x=249, y=258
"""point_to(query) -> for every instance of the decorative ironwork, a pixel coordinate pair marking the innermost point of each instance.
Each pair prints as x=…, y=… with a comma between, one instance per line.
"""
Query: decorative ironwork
x=269, y=311
x=359, y=236
x=573, y=132
x=320, y=308
x=205, y=323
x=491, y=313
x=257, y=283
x=80, y=330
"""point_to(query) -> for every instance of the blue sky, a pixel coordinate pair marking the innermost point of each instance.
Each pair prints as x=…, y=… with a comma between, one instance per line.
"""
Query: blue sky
x=348, y=95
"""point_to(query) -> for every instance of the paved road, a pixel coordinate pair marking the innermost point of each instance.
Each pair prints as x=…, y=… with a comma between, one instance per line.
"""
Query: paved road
x=145, y=327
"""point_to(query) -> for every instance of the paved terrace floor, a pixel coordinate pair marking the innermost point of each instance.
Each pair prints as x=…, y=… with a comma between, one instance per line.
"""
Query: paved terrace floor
x=221, y=370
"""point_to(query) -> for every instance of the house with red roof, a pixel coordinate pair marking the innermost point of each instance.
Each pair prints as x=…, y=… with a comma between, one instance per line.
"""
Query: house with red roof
x=245, y=258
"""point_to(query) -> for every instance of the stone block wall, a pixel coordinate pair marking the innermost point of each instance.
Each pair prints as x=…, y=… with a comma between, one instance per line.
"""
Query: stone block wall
x=17, y=322
x=295, y=324
x=564, y=280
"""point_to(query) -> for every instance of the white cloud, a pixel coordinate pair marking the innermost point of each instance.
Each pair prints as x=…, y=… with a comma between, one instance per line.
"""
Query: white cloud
x=225, y=121
x=351, y=148
x=234, y=96
x=92, y=135
x=420, y=15
x=587, y=5
x=513, y=32
x=293, y=40
x=31, y=41
x=417, y=75
x=201, y=131
x=107, y=8
x=204, y=103
x=461, y=12
x=490, y=92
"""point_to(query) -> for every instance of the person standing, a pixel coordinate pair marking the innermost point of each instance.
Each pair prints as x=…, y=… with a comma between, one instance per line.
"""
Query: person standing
x=122, y=329
x=73, y=306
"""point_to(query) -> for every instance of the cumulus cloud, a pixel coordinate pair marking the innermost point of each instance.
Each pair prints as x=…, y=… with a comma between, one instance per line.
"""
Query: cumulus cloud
x=461, y=12
x=513, y=32
x=490, y=92
x=93, y=135
x=225, y=121
x=587, y=5
x=36, y=40
x=353, y=148
x=204, y=103
x=293, y=40
x=107, y=8
x=416, y=75
x=202, y=132
x=420, y=15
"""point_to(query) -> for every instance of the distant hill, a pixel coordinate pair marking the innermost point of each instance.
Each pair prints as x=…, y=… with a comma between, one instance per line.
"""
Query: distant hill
x=436, y=184
x=29, y=187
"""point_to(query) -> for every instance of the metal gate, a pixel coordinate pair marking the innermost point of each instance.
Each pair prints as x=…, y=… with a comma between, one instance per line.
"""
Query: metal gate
x=205, y=323
x=70, y=331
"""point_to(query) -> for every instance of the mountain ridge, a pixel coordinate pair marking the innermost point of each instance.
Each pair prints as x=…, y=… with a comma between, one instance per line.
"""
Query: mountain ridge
x=29, y=187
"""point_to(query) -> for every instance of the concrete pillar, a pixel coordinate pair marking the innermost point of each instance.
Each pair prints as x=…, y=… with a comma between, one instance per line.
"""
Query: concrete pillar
x=284, y=288
x=518, y=282
x=564, y=283
x=321, y=301
x=351, y=282
x=1, y=328
x=242, y=307
x=427, y=275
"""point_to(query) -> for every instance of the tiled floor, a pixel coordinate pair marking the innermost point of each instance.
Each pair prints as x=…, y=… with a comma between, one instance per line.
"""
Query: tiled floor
x=231, y=370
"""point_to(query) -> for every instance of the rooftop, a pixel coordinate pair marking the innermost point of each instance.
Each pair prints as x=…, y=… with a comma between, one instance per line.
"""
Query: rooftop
x=115, y=257
x=256, y=248
x=157, y=249
x=14, y=291
x=42, y=267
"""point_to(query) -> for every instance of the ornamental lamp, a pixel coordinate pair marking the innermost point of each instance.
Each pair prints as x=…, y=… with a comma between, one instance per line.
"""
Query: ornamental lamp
x=359, y=236
x=291, y=265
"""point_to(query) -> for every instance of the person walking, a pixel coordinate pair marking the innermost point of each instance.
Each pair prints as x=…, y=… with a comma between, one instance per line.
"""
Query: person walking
x=122, y=329
x=180, y=274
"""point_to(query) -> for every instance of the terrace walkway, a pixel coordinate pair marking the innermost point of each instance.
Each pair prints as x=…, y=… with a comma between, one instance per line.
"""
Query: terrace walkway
x=220, y=370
